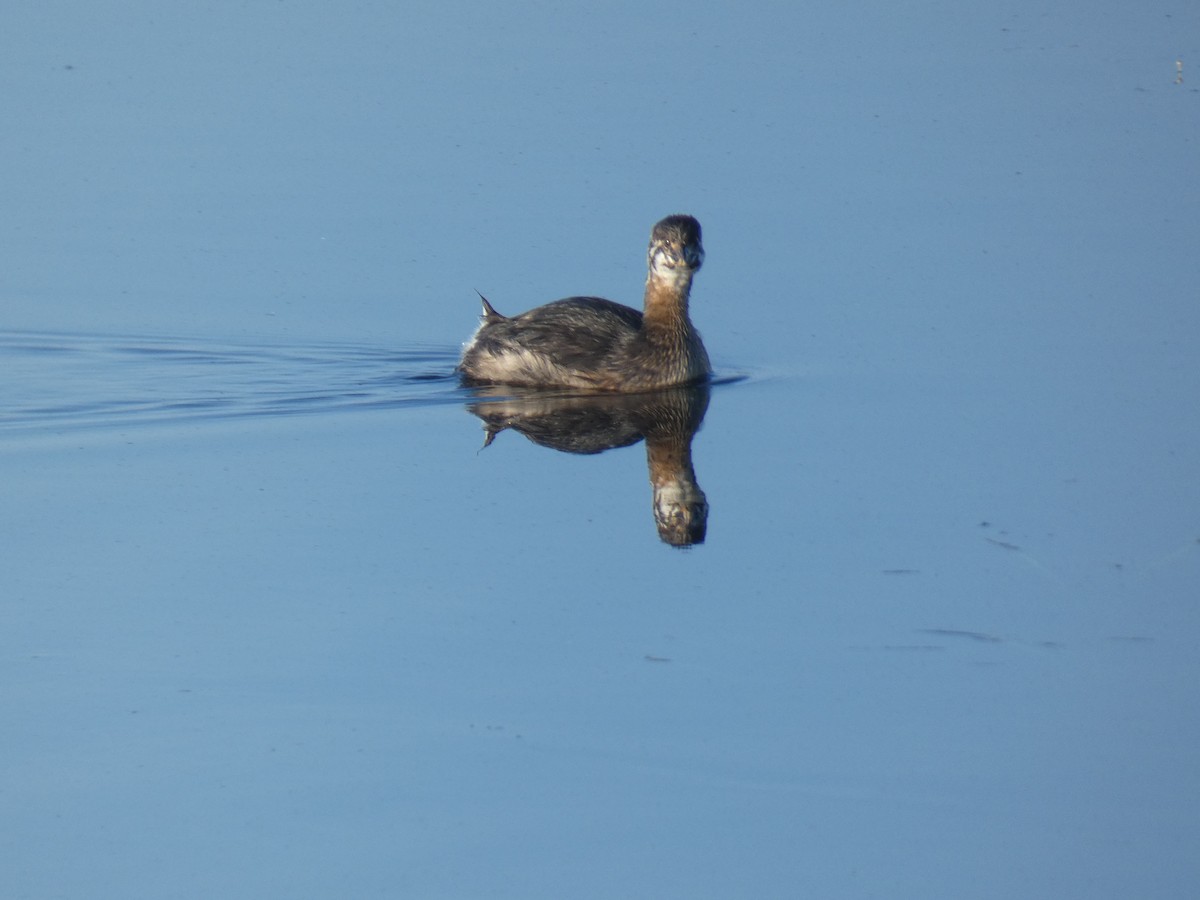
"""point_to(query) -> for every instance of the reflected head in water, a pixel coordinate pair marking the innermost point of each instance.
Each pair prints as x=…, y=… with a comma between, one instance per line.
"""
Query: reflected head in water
x=666, y=420
x=592, y=343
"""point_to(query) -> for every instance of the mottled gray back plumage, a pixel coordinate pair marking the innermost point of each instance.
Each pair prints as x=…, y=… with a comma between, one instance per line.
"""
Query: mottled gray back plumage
x=579, y=332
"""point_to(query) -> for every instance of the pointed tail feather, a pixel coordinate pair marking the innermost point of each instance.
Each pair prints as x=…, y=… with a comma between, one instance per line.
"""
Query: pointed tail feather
x=489, y=313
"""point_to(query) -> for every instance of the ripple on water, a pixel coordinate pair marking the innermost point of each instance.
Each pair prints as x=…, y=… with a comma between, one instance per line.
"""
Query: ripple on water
x=60, y=382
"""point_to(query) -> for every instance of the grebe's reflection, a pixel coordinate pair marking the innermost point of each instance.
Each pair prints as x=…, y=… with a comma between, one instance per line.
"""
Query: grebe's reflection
x=667, y=420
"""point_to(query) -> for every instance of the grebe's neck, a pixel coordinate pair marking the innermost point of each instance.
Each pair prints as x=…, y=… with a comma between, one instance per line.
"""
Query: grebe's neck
x=667, y=293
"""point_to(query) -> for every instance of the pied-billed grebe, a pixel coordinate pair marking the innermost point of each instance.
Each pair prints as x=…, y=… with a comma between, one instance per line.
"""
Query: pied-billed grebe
x=588, y=342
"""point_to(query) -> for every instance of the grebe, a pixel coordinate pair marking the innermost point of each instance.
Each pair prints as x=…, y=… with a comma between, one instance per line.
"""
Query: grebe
x=589, y=342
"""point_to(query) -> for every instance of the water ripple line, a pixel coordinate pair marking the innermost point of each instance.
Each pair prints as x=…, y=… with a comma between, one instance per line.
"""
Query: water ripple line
x=55, y=382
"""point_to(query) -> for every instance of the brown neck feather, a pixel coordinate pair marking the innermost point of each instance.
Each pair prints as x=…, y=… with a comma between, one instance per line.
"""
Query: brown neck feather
x=666, y=304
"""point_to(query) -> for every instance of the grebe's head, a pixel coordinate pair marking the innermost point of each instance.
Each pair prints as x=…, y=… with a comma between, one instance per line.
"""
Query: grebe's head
x=675, y=249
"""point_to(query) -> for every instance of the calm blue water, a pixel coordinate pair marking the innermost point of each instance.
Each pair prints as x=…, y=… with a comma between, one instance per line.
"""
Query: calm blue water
x=274, y=622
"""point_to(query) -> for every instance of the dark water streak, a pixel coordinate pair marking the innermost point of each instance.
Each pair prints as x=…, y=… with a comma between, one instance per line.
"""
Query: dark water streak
x=66, y=382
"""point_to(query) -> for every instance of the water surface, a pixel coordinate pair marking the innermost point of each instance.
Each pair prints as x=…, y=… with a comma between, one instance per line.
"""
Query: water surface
x=275, y=622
